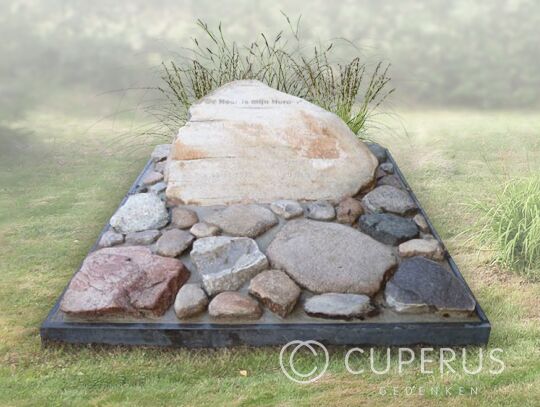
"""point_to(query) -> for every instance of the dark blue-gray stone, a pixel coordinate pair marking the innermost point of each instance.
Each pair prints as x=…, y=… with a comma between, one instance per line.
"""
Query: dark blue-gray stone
x=420, y=285
x=378, y=151
x=388, y=228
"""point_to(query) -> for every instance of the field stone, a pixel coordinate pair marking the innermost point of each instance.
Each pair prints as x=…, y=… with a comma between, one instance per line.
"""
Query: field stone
x=330, y=257
x=276, y=291
x=287, y=208
x=421, y=223
x=391, y=180
x=174, y=242
x=123, y=281
x=183, y=218
x=387, y=168
x=349, y=210
x=234, y=305
x=429, y=248
x=378, y=151
x=243, y=220
x=226, y=263
x=388, y=228
x=161, y=152
x=152, y=177
x=110, y=238
x=339, y=306
x=289, y=148
x=387, y=198
x=420, y=285
x=158, y=188
x=202, y=229
x=140, y=212
x=144, y=237
x=191, y=300
x=320, y=210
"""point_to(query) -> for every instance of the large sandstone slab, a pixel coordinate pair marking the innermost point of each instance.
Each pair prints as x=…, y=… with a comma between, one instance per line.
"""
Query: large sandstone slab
x=330, y=258
x=247, y=142
x=124, y=281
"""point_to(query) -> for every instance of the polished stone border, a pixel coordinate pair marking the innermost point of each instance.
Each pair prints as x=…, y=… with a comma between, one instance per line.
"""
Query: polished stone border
x=220, y=335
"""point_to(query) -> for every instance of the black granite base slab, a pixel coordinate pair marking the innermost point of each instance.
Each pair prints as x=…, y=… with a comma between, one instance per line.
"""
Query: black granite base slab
x=392, y=330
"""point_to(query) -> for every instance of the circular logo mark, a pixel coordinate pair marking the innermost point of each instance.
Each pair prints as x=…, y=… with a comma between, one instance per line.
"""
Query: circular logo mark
x=288, y=363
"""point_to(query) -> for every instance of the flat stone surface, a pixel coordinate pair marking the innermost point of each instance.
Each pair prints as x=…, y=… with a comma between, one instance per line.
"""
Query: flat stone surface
x=243, y=220
x=287, y=208
x=378, y=151
x=387, y=198
x=145, y=237
x=429, y=248
x=124, y=281
x=174, y=242
x=191, y=300
x=202, y=229
x=276, y=291
x=152, y=177
x=420, y=284
x=348, y=211
x=234, y=305
x=183, y=218
x=226, y=263
x=421, y=222
x=340, y=306
x=388, y=228
x=140, y=212
x=161, y=152
x=111, y=238
x=329, y=257
x=320, y=210
x=247, y=141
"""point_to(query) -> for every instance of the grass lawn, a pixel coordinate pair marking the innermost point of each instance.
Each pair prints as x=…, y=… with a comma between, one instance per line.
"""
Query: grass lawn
x=56, y=195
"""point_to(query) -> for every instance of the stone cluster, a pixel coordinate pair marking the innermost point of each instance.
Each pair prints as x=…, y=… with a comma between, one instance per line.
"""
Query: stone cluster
x=342, y=258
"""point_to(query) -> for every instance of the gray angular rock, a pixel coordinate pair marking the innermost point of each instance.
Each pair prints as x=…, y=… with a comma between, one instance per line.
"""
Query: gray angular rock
x=391, y=180
x=329, y=257
x=174, y=242
x=420, y=285
x=387, y=198
x=140, y=212
x=388, y=228
x=202, y=229
x=320, y=210
x=161, y=152
x=243, y=220
x=429, y=248
x=158, y=188
x=123, y=281
x=152, y=177
x=378, y=151
x=339, y=306
x=286, y=208
x=111, y=238
x=234, y=305
x=145, y=237
x=276, y=291
x=387, y=168
x=226, y=263
x=191, y=300
x=421, y=222
x=348, y=210
x=183, y=218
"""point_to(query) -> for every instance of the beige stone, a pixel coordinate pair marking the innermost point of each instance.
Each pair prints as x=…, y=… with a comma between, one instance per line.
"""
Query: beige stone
x=246, y=142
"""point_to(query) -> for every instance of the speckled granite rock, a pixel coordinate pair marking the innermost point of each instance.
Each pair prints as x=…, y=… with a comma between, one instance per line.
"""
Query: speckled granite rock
x=140, y=212
x=276, y=291
x=191, y=300
x=387, y=198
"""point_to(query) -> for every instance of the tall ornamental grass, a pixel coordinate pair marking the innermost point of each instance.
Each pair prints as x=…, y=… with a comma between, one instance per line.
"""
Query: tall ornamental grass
x=351, y=89
x=511, y=226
